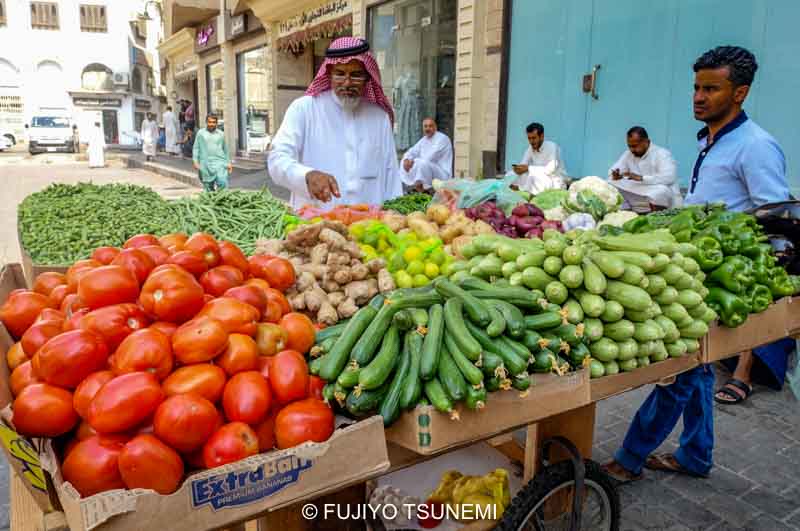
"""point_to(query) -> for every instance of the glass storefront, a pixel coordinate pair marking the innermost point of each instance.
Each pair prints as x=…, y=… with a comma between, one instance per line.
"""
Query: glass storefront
x=216, y=95
x=253, y=96
x=414, y=42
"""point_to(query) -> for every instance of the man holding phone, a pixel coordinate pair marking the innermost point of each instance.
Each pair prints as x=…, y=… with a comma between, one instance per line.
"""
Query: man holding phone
x=542, y=157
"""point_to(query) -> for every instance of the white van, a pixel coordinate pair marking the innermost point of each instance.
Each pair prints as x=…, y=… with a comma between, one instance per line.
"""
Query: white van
x=50, y=133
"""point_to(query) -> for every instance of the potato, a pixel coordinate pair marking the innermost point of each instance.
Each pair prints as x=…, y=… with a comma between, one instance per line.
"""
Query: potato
x=438, y=213
x=424, y=229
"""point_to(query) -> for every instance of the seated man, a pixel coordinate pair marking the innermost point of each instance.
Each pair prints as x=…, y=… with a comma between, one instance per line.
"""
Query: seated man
x=646, y=174
x=541, y=167
x=430, y=158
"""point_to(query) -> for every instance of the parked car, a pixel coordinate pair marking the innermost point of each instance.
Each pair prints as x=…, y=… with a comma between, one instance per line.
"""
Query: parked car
x=49, y=133
x=5, y=143
x=9, y=135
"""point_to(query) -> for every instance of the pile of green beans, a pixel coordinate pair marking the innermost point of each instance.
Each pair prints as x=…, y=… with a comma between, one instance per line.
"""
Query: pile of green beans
x=407, y=204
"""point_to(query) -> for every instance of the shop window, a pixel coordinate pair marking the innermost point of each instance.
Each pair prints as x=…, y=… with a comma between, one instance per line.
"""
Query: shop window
x=151, y=84
x=97, y=77
x=44, y=15
x=93, y=18
x=216, y=96
x=138, y=118
x=136, y=81
x=2, y=13
x=253, y=95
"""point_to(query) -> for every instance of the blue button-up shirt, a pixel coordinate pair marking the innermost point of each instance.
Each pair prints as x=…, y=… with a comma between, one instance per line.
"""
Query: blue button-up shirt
x=743, y=167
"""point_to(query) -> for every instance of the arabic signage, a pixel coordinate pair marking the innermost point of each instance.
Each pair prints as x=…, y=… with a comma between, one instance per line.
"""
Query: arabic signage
x=206, y=37
x=238, y=24
x=142, y=104
x=327, y=12
x=185, y=65
x=96, y=101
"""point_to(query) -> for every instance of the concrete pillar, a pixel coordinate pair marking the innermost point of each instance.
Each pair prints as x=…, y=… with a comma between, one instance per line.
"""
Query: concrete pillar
x=272, y=76
x=230, y=107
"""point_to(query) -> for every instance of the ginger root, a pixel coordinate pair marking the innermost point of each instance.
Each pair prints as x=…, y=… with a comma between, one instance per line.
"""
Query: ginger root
x=343, y=276
x=375, y=265
x=319, y=254
x=316, y=270
x=273, y=247
x=315, y=297
x=336, y=298
x=327, y=314
x=305, y=281
x=385, y=281
x=330, y=286
x=359, y=271
x=361, y=291
x=335, y=240
x=297, y=302
x=347, y=308
x=338, y=259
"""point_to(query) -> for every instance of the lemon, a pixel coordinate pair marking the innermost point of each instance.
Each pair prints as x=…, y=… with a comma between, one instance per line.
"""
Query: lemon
x=371, y=239
x=396, y=261
x=357, y=231
x=368, y=249
x=411, y=236
x=412, y=253
x=420, y=281
x=430, y=243
x=431, y=270
x=437, y=257
x=383, y=245
x=415, y=267
x=403, y=279
x=446, y=269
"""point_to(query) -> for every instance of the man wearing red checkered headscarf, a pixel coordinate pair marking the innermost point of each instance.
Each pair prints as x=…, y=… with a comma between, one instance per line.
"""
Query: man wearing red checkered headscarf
x=335, y=145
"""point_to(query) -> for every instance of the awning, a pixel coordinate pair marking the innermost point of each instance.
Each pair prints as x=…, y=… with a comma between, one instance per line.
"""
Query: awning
x=186, y=13
x=321, y=22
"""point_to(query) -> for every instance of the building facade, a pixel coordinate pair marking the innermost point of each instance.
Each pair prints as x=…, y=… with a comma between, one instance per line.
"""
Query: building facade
x=92, y=60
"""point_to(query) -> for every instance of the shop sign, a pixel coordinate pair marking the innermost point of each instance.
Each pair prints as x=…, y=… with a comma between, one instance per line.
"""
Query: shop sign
x=81, y=101
x=308, y=18
x=142, y=104
x=206, y=36
x=185, y=66
x=238, y=24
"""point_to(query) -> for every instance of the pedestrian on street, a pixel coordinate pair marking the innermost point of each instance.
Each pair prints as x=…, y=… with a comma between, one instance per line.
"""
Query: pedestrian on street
x=210, y=156
x=743, y=166
x=171, y=129
x=97, y=146
x=188, y=115
x=150, y=135
x=187, y=143
x=76, y=140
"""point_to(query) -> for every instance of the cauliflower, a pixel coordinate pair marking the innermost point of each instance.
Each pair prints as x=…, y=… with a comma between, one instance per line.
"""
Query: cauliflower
x=579, y=221
x=617, y=219
x=555, y=214
x=600, y=187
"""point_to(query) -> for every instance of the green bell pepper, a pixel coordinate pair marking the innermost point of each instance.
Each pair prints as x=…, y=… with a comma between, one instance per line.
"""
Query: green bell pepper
x=779, y=283
x=795, y=282
x=735, y=274
x=731, y=308
x=762, y=266
x=756, y=249
x=709, y=252
x=639, y=224
x=685, y=221
x=759, y=297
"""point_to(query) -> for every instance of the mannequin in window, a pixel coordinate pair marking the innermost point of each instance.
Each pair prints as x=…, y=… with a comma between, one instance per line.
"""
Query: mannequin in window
x=408, y=102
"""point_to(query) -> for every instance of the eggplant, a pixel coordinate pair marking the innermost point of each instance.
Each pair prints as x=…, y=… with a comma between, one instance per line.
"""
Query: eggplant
x=471, y=213
x=533, y=210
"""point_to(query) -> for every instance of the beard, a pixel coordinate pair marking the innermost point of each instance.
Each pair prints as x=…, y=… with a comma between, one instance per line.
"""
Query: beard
x=348, y=102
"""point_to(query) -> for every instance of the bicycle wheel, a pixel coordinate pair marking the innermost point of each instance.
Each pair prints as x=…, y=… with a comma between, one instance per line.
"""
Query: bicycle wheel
x=600, y=509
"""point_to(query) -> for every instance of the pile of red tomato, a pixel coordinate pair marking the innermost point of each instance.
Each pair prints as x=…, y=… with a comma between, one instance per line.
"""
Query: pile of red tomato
x=169, y=354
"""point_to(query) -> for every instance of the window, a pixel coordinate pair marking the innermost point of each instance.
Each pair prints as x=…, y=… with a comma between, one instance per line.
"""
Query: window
x=44, y=15
x=216, y=96
x=97, y=77
x=93, y=18
x=253, y=97
x=136, y=81
x=2, y=13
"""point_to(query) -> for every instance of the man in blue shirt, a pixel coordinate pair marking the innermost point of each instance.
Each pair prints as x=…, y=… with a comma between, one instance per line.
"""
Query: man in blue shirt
x=741, y=164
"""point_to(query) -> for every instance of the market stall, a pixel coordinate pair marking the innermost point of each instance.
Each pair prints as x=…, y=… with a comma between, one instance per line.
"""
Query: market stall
x=338, y=347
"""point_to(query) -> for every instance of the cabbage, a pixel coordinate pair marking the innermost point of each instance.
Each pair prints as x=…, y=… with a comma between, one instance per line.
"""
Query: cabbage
x=618, y=219
x=607, y=193
x=550, y=199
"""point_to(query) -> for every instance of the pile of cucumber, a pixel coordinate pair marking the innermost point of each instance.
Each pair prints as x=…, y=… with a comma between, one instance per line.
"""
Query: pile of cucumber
x=442, y=345
x=638, y=297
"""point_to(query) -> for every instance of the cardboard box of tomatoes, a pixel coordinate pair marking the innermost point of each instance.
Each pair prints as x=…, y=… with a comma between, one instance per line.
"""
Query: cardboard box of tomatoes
x=207, y=499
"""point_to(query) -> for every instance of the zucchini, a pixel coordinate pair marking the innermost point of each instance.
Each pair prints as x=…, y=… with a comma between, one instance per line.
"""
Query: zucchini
x=574, y=311
x=571, y=276
x=656, y=284
x=330, y=331
x=671, y=332
x=432, y=344
x=515, y=322
x=633, y=275
x=630, y=297
x=543, y=321
x=476, y=397
x=556, y=292
x=455, y=323
x=685, y=282
x=629, y=365
x=676, y=349
x=619, y=331
x=660, y=261
x=667, y=296
x=334, y=361
x=531, y=258
x=573, y=255
x=672, y=273
x=628, y=349
x=611, y=266
x=647, y=331
x=639, y=317
x=592, y=329
x=535, y=278
x=492, y=365
x=368, y=343
x=695, y=330
x=552, y=265
x=438, y=397
x=689, y=299
x=378, y=370
x=363, y=402
x=508, y=269
x=515, y=279
x=498, y=324
x=348, y=378
x=630, y=243
x=690, y=265
x=643, y=260
x=592, y=305
x=521, y=382
x=451, y=378
x=660, y=353
x=474, y=307
x=675, y=313
x=692, y=345
x=412, y=388
x=593, y=278
x=604, y=350
x=613, y=312
x=471, y=373
x=419, y=316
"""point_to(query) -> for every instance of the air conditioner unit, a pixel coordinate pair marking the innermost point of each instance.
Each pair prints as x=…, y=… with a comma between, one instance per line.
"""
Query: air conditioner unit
x=121, y=78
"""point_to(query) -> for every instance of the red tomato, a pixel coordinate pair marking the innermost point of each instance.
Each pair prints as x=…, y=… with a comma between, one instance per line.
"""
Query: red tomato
x=70, y=357
x=56, y=296
x=260, y=283
x=147, y=463
x=236, y=316
x=185, y=422
x=201, y=339
x=251, y=295
x=86, y=390
x=74, y=321
x=144, y=350
x=278, y=298
x=220, y=279
x=301, y=331
x=105, y=255
x=288, y=377
x=279, y=272
x=46, y=282
x=306, y=420
x=16, y=356
x=172, y=294
x=39, y=334
x=203, y=379
x=165, y=328
x=240, y=355
x=20, y=311
x=246, y=398
x=206, y=245
x=42, y=410
x=232, y=442
x=315, y=386
x=191, y=261
x=172, y=240
x=263, y=365
x=72, y=303
x=136, y=261
x=159, y=255
x=266, y=433
x=107, y=285
x=77, y=270
x=21, y=377
x=51, y=314
x=272, y=313
x=125, y=402
x=140, y=240
x=83, y=432
x=231, y=255
x=115, y=323
x=92, y=467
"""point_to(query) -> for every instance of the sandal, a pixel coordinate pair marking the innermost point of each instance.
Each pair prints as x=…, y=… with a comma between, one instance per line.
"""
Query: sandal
x=668, y=463
x=619, y=473
x=735, y=398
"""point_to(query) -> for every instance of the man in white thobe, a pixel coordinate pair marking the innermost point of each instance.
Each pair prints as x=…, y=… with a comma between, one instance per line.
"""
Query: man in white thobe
x=171, y=128
x=149, y=136
x=646, y=174
x=541, y=167
x=97, y=146
x=430, y=158
x=335, y=145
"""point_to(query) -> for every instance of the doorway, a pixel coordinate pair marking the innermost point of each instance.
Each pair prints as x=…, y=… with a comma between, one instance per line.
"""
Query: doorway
x=110, y=127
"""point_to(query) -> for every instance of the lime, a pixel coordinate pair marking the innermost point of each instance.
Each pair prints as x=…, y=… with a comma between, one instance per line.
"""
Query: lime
x=430, y=243
x=396, y=261
x=403, y=279
x=411, y=236
x=371, y=238
x=383, y=245
x=412, y=253
x=368, y=249
x=446, y=269
x=438, y=256
x=431, y=270
x=357, y=231
x=420, y=281
x=415, y=267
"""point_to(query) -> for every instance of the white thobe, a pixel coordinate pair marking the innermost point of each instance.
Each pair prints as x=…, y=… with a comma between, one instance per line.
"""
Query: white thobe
x=545, y=160
x=355, y=146
x=171, y=127
x=659, y=184
x=149, y=137
x=97, y=146
x=433, y=159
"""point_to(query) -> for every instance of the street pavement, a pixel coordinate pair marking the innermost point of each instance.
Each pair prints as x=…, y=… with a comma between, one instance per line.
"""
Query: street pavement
x=754, y=485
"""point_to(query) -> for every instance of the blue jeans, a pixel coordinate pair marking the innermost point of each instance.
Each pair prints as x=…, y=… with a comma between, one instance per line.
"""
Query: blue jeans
x=692, y=395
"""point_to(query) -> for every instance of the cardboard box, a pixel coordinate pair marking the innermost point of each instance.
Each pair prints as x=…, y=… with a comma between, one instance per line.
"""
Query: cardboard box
x=32, y=270
x=427, y=431
x=209, y=499
x=759, y=329
x=608, y=386
x=793, y=315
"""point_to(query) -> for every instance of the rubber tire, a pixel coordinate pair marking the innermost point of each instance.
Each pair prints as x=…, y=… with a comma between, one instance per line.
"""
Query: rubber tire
x=548, y=480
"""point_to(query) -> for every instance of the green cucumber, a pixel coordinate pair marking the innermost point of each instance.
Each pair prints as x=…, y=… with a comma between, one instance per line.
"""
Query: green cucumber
x=412, y=388
x=330, y=331
x=334, y=361
x=390, y=405
x=474, y=307
x=498, y=324
x=454, y=322
x=515, y=322
x=544, y=361
x=420, y=316
x=365, y=348
x=452, y=380
x=579, y=354
x=492, y=384
x=611, y=266
x=314, y=365
x=378, y=370
x=438, y=396
x=570, y=333
x=348, y=378
x=432, y=344
x=492, y=365
x=471, y=373
x=513, y=362
x=521, y=382
x=476, y=397
x=327, y=392
x=515, y=346
x=543, y=321
x=403, y=320
x=363, y=402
